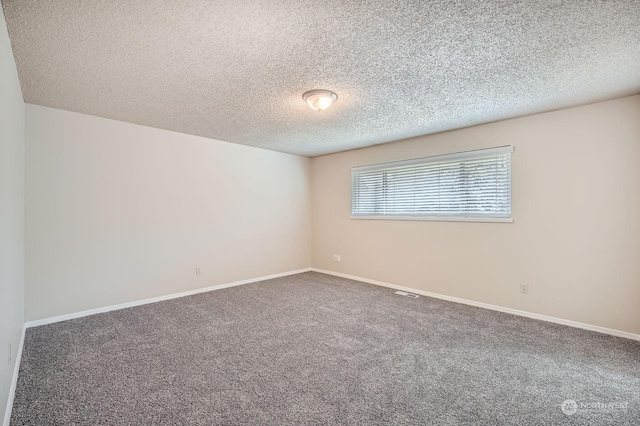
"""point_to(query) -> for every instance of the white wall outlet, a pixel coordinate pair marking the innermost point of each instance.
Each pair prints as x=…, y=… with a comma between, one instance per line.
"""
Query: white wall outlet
x=336, y=258
x=524, y=288
x=198, y=271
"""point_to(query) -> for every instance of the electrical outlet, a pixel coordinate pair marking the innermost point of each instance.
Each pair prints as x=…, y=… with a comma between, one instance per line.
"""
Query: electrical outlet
x=198, y=271
x=336, y=258
x=524, y=288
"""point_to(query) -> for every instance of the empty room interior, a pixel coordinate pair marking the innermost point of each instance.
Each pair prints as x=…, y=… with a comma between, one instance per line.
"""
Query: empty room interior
x=299, y=212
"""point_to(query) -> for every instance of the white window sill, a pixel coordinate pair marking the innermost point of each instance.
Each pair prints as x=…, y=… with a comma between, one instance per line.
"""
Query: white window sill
x=440, y=218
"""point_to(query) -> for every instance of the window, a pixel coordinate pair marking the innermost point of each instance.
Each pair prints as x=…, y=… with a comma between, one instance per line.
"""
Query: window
x=473, y=186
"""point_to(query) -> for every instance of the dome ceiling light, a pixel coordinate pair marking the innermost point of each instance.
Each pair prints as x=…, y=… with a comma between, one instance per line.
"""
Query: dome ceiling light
x=320, y=99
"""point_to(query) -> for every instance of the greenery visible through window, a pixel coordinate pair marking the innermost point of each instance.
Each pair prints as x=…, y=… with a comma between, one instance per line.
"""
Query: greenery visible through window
x=473, y=185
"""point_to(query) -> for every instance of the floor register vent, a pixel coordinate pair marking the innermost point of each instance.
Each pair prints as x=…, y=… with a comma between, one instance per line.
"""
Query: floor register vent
x=405, y=294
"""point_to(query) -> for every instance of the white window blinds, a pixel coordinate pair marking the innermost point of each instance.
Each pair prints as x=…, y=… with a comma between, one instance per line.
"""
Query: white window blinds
x=474, y=185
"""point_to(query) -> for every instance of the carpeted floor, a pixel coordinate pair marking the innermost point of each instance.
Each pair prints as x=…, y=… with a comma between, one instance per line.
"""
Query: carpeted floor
x=315, y=349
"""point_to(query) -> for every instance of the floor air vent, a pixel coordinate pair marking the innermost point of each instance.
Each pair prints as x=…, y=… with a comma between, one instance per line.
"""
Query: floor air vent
x=405, y=294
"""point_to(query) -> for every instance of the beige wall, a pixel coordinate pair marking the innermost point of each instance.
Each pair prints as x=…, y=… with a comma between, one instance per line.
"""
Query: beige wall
x=11, y=214
x=118, y=212
x=580, y=256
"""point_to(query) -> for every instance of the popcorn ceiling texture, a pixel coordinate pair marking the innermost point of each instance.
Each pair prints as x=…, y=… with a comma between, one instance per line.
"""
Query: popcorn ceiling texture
x=236, y=70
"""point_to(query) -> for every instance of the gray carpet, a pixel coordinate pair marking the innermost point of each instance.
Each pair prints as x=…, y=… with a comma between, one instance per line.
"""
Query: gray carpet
x=316, y=349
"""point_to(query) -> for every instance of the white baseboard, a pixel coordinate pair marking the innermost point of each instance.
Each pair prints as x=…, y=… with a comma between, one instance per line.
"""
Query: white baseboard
x=14, y=380
x=65, y=317
x=569, y=323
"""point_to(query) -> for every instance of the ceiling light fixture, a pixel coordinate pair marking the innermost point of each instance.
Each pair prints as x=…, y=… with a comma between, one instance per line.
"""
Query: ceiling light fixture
x=320, y=99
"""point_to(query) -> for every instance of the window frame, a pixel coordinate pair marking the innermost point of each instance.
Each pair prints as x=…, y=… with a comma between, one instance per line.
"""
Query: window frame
x=460, y=156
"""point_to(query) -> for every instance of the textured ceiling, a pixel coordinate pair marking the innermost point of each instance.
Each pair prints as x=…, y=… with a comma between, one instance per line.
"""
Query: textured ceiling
x=236, y=70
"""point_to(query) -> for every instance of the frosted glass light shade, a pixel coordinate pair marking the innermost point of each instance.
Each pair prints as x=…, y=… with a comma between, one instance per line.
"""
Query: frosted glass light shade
x=320, y=99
